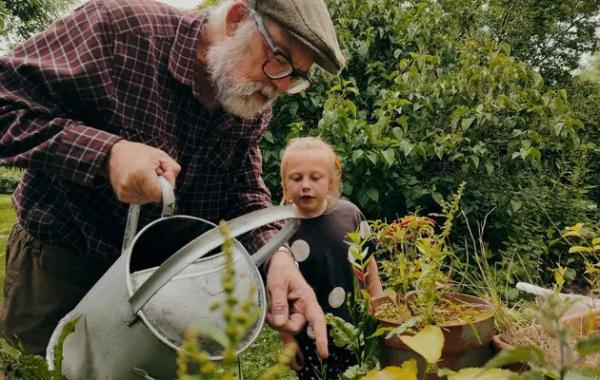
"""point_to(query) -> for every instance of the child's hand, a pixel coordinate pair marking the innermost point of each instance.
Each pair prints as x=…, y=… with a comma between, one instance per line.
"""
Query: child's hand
x=296, y=361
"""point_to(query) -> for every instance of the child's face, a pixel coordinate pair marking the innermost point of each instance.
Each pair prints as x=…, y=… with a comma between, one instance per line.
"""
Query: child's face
x=308, y=181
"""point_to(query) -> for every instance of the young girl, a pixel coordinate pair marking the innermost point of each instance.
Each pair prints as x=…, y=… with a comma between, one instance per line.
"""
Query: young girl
x=310, y=177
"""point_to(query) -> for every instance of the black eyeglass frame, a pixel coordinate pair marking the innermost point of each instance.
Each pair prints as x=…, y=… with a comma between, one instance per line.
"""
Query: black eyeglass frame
x=300, y=80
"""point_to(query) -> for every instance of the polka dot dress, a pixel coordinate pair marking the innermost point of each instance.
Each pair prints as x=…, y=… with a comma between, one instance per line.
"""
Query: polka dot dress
x=322, y=254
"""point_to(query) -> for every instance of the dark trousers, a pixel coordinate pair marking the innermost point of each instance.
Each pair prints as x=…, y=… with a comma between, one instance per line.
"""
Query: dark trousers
x=43, y=283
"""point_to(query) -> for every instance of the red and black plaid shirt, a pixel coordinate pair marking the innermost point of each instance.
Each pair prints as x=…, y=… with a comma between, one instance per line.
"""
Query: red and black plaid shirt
x=118, y=69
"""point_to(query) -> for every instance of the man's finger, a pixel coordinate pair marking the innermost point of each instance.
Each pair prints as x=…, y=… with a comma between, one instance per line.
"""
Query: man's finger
x=316, y=319
x=169, y=169
x=279, y=303
x=293, y=325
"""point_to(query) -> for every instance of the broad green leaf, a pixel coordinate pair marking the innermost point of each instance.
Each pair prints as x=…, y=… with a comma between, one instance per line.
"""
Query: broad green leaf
x=428, y=343
x=388, y=156
x=404, y=327
x=466, y=122
x=439, y=151
x=67, y=330
x=588, y=346
x=475, y=161
x=489, y=168
x=406, y=147
x=437, y=197
x=516, y=205
x=478, y=374
x=403, y=122
x=408, y=371
x=373, y=194
x=357, y=154
x=578, y=248
x=530, y=354
x=577, y=227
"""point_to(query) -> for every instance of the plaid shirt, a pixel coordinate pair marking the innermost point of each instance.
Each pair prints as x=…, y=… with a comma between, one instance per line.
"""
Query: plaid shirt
x=118, y=69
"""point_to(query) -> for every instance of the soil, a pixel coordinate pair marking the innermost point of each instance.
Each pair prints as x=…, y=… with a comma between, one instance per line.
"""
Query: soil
x=448, y=312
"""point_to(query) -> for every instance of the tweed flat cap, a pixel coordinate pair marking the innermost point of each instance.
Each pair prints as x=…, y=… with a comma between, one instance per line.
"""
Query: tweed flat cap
x=309, y=22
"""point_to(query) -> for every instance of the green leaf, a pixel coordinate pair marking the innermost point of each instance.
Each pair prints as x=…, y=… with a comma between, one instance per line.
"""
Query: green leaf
x=344, y=334
x=477, y=374
x=516, y=205
x=534, y=154
x=532, y=355
x=67, y=330
x=406, y=147
x=373, y=194
x=357, y=154
x=438, y=198
x=428, y=343
x=388, y=156
x=578, y=248
x=489, y=167
x=466, y=122
x=439, y=151
x=408, y=371
x=403, y=123
x=588, y=346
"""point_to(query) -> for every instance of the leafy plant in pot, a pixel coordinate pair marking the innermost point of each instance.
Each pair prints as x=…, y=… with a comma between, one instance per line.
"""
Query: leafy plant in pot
x=413, y=254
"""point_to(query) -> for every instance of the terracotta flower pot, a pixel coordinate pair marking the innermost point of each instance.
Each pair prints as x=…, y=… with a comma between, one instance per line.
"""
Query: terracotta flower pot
x=580, y=322
x=465, y=345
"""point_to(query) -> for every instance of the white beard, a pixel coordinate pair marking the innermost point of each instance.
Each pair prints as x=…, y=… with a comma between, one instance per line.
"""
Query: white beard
x=237, y=96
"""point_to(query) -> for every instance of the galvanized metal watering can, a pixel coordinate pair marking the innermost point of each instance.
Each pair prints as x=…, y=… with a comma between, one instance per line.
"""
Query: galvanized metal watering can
x=133, y=319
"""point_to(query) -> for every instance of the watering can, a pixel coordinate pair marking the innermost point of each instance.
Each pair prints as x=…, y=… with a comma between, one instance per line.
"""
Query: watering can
x=133, y=320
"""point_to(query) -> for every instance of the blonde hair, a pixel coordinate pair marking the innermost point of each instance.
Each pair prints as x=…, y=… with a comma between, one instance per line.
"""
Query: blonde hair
x=313, y=144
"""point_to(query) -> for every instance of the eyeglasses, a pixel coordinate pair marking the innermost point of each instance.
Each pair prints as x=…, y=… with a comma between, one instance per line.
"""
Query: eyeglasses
x=278, y=66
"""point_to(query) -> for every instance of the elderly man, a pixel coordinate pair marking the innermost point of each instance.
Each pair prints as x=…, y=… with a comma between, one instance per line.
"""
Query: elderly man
x=101, y=102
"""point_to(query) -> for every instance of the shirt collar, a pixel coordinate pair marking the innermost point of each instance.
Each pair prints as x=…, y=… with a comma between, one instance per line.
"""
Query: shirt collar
x=183, y=63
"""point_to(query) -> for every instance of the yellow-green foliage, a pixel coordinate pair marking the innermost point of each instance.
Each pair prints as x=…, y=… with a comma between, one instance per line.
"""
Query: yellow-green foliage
x=193, y=363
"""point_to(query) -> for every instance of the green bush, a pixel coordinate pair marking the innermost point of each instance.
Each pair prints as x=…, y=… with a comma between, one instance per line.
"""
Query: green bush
x=423, y=106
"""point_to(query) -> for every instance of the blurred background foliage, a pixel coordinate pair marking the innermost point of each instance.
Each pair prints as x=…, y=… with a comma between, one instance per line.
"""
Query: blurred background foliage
x=440, y=92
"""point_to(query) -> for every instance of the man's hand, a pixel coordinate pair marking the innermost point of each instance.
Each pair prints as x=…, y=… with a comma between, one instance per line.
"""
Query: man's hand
x=133, y=169
x=293, y=302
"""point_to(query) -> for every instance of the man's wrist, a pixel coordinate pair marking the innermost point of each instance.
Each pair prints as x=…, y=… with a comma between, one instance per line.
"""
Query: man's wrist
x=281, y=253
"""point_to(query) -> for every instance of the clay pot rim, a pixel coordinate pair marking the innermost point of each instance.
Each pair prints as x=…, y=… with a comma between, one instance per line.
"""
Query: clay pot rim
x=485, y=306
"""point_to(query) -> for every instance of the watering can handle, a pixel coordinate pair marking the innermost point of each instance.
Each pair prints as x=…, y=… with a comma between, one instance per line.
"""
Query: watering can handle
x=212, y=239
x=133, y=215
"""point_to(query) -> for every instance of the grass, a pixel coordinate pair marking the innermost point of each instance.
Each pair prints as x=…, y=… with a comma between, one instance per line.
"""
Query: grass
x=260, y=356
x=7, y=219
x=263, y=354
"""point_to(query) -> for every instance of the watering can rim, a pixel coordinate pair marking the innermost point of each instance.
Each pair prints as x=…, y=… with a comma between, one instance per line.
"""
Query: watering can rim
x=197, y=248
x=261, y=291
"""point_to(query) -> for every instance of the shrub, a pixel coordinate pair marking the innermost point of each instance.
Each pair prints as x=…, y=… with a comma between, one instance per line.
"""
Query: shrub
x=422, y=107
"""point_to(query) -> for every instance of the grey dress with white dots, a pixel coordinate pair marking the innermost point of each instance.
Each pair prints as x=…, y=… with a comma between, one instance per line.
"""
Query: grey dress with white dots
x=322, y=253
